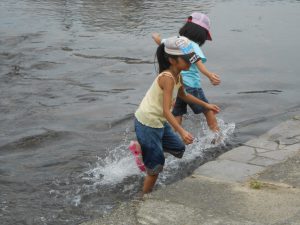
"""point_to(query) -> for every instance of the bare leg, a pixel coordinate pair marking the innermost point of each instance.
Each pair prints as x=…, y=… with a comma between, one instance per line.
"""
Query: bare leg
x=149, y=183
x=211, y=121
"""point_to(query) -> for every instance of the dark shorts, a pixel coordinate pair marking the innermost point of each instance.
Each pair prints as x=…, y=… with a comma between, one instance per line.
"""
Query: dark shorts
x=180, y=107
x=154, y=142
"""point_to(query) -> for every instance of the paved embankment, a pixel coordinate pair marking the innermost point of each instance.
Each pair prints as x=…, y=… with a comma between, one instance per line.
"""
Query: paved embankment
x=257, y=183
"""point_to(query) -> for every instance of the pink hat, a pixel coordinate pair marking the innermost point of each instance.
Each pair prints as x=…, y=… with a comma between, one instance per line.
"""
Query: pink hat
x=201, y=20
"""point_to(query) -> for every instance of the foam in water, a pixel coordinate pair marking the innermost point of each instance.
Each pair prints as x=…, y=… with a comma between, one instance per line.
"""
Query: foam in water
x=118, y=165
x=115, y=171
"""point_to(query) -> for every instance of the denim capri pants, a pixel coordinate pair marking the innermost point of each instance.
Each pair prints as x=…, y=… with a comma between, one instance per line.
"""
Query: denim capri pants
x=154, y=142
x=180, y=107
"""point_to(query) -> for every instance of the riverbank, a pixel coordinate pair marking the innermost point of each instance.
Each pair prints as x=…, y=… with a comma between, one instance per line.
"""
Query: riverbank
x=256, y=183
x=73, y=73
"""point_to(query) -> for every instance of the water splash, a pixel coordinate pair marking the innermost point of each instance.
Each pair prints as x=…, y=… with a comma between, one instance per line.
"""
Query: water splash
x=113, y=169
x=113, y=172
x=204, y=140
x=120, y=163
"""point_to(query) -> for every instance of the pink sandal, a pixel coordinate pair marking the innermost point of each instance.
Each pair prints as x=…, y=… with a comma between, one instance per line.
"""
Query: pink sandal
x=136, y=150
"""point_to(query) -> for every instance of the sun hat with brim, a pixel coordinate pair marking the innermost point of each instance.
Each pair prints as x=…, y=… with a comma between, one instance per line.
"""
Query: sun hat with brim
x=201, y=20
x=181, y=46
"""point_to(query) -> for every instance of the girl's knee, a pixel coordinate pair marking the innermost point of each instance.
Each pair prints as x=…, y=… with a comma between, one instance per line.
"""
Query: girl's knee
x=155, y=164
x=155, y=170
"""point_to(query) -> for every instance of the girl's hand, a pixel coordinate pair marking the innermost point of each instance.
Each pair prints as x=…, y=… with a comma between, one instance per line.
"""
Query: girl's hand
x=214, y=79
x=214, y=108
x=187, y=137
x=156, y=37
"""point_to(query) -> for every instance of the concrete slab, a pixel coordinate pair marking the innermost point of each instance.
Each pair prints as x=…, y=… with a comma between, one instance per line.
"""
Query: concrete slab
x=294, y=148
x=287, y=172
x=288, y=129
x=280, y=155
x=263, y=161
x=200, y=200
x=228, y=170
x=124, y=214
x=287, y=141
x=240, y=154
x=260, y=150
x=165, y=212
x=262, y=143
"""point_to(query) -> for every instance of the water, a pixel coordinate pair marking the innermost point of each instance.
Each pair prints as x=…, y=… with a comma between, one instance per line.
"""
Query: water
x=73, y=72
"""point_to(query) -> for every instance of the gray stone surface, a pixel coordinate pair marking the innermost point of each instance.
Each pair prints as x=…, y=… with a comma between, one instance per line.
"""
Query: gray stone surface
x=200, y=200
x=287, y=172
x=165, y=212
x=262, y=144
x=294, y=148
x=263, y=161
x=221, y=193
x=125, y=214
x=279, y=155
x=240, y=154
x=288, y=129
x=227, y=170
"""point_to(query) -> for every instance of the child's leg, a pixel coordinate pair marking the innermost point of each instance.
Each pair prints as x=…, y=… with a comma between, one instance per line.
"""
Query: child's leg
x=149, y=183
x=179, y=119
x=172, y=143
x=197, y=109
x=211, y=120
x=180, y=108
x=150, y=140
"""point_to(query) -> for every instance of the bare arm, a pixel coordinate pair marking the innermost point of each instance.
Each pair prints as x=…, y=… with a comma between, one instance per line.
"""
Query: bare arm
x=214, y=78
x=156, y=37
x=167, y=84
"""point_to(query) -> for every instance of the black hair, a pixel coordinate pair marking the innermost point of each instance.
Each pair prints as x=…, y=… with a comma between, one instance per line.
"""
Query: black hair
x=163, y=58
x=194, y=32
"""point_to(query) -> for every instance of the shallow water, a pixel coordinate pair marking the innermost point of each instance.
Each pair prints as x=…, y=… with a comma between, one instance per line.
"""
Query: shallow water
x=73, y=72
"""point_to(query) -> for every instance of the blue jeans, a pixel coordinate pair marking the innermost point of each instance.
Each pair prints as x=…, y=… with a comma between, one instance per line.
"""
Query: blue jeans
x=154, y=141
x=180, y=107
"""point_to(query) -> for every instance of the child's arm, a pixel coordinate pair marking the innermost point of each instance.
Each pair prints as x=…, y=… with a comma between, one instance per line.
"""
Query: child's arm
x=156, y=37
x=190, y=98
x=214, y=78
x=167, y=84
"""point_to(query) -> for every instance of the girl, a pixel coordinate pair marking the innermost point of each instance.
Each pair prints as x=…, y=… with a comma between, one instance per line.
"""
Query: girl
x=153, y=116
x=197, y=29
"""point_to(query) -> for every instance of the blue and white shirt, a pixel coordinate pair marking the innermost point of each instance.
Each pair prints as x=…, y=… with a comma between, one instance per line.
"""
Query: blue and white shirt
x=192, y=77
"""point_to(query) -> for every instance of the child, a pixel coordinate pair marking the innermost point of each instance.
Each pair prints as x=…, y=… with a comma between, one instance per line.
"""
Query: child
x=197, y=29
x=153, y=116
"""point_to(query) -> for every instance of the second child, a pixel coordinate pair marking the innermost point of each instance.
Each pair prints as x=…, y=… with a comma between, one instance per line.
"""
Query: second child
x=197, y=29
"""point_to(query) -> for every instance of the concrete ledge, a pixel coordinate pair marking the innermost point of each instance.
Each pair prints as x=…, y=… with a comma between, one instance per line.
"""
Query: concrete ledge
x=220, y=192
x=227, y=170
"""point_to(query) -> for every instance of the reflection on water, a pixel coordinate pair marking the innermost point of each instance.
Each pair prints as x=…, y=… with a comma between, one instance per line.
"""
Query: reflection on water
x=115, y=16
x=72, y=73
x=70, y=79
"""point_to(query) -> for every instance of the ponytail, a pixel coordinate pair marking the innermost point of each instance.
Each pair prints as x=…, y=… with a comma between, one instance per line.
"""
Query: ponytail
x=163, y=58
x=163, y=62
